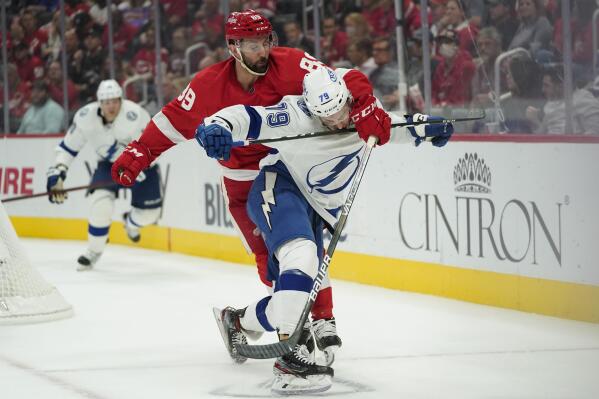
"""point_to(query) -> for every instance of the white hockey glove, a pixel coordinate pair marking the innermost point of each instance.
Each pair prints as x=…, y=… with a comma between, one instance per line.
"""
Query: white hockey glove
x=56, y=177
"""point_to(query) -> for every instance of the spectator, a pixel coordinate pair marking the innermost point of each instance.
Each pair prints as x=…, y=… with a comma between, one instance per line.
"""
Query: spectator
x=170, y=90
x=175, y=12
x=82, y=23
x=129, y=92
x=415, y=71
x=501, y=17
x=29, y=67
x=90, y=65
x=439, y=21
x=144, y=60
x=453, y=76
x=51, y=49
x=524, y=82
x=356, y=27
x=359, y=53
x=334, y=41
x=474, y=10
x=208, y=60
x=411, y=16
x=582, y=35
x=34, y=38
x=380, y=15
x=218, y=55
x=124, y=35
x=176, y=60
x=209, y=24
x=294, y=37
x=585, y=108
x=19, y=93
x=385, y=78
x=489, y=46
x=55, y=89
x=71, y=41
x=338, y=9
x=74, y=55
x=455, y=16
x=16, y=35
x=44, y=115
x=534, y=31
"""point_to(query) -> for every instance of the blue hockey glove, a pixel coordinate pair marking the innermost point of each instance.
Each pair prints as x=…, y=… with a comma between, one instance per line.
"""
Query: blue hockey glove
x=438, y=133
x=56, y=177
x=215, y=140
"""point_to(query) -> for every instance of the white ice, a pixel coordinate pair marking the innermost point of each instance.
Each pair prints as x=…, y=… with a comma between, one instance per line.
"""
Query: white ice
x=143, y=328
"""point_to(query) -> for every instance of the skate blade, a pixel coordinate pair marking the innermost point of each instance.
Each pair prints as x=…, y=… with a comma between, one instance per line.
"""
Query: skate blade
x=288, y=384
x=223, y=333
x=84, y=268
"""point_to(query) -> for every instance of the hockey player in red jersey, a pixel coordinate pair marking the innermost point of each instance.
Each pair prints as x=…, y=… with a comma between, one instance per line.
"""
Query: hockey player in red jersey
x=257, y=74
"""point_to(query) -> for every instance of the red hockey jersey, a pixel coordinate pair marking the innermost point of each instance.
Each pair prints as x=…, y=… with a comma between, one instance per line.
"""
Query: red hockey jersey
x=216, y=87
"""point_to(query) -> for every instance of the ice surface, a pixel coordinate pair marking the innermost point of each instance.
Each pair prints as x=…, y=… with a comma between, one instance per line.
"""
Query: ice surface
x=143, y=328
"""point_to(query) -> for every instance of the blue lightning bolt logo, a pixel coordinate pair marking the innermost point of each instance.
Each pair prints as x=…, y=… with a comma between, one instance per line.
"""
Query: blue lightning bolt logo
x=334, y=175
x=268, y=195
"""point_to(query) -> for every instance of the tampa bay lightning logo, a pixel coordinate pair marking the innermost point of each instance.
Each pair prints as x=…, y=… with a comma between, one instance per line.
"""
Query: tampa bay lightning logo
x=107, y=152
x=334, y=175
x=332, y=75
x=302, y=105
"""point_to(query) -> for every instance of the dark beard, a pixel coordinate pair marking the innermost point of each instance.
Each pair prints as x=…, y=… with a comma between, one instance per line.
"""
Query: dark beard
x=256, y=67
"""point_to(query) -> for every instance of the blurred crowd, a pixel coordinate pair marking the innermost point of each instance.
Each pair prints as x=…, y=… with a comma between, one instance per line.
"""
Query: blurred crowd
x=466, y=37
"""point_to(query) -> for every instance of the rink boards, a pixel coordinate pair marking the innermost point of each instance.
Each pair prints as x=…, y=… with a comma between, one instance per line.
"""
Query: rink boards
x=504, y=221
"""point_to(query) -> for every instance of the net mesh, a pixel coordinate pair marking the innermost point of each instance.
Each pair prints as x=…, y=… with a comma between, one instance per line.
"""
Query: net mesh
x=25, y=296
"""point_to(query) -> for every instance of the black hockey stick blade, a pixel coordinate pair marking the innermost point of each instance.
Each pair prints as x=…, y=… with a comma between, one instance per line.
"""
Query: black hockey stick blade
x=482, y=115
x=269, y=351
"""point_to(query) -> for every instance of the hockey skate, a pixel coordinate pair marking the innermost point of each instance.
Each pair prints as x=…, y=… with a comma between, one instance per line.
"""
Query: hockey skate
x=88, y=260
x=231, y=331
x=327, y=340
x=296, y=373
x=132, y=231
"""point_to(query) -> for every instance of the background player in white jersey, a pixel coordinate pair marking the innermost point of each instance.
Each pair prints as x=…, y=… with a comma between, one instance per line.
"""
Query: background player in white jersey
x=108, y=125
x=299, y=190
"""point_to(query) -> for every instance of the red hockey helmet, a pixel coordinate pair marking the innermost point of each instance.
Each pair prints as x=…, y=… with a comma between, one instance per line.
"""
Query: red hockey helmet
x=246, y=24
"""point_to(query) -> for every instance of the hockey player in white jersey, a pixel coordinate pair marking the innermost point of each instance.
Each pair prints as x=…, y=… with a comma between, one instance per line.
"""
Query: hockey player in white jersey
x=300, y=189
x=107, y=125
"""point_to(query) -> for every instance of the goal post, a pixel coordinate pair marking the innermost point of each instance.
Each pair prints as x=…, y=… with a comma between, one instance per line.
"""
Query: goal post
x=25, y=297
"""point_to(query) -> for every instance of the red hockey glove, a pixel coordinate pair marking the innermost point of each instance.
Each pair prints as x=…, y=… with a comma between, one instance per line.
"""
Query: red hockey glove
x=130, y=164
x=371, y=120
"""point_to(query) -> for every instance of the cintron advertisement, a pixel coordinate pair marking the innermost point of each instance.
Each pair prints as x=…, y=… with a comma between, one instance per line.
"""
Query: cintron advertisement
x=509, y=223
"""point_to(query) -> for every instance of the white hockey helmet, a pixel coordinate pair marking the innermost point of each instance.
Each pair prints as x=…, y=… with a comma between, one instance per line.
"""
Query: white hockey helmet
x=325, y=93
x=109, y=89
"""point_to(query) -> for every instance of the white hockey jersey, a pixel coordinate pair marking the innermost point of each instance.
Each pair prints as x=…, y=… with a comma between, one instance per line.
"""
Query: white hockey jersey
x=322, y=167
x=108, y=140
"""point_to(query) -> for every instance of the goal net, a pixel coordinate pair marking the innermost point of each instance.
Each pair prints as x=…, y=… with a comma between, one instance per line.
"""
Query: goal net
x=25, y=297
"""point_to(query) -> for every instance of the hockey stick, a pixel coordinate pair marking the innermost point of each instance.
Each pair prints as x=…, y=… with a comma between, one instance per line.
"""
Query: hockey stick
x=66, y=190
x=348, y=130
x=281, y=348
